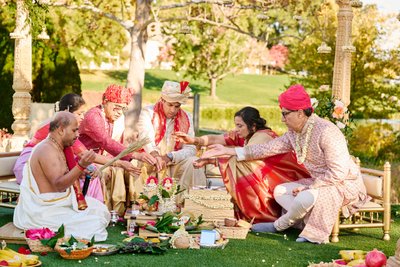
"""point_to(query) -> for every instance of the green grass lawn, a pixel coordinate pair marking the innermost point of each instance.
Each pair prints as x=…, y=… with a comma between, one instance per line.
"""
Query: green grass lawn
x=256, y=90
x=257, y=250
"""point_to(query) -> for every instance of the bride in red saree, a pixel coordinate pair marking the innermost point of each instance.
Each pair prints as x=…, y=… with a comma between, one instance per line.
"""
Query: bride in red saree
x=251, y=183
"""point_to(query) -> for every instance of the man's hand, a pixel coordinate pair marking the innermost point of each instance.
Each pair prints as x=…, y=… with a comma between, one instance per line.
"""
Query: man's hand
x=183, y=137
x=87, y=158
x=127, y=166
x=146, y=157
x=218, y=150
x=297, y=190
x=201, y=163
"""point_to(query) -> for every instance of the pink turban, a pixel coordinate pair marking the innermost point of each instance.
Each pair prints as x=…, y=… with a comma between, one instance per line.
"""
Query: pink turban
x=295, y=98
x=117, y=94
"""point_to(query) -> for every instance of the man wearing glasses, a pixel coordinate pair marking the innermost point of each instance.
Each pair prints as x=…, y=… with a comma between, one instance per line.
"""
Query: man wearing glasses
x=102, y=130
x=159, y=122
x=335, y=180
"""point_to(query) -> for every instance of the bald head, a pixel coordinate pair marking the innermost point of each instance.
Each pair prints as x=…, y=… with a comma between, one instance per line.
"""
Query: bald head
x=62, y=119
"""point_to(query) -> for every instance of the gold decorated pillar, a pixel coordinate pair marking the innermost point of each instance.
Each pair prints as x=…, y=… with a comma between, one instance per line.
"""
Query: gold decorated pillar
x=22, y=79
x=343, y=51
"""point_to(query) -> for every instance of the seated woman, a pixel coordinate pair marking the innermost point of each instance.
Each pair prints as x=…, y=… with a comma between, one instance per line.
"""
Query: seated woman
x=76, y=105
x=251, y=183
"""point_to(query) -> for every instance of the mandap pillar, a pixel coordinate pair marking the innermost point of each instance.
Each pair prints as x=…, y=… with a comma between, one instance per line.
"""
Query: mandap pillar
x=343, y=53
x=22, y=79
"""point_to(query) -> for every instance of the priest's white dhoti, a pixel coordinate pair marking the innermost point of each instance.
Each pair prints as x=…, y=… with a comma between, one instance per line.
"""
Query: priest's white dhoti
x=36, y=210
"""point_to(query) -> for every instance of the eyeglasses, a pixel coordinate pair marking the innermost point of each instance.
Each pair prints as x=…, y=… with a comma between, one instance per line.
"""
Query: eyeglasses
x=285, y=113
x=119, y=108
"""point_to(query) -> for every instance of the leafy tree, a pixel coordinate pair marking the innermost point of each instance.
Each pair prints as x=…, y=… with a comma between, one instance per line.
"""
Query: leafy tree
x=54, y=73
x=135, y=15
x=209, y=53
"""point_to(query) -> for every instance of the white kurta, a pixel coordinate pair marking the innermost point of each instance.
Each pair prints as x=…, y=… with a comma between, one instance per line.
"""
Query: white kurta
x=36, y=210
x=182, y=159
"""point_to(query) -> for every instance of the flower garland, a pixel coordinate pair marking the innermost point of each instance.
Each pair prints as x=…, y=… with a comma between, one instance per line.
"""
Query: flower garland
x=301, y=153
x=198, y=200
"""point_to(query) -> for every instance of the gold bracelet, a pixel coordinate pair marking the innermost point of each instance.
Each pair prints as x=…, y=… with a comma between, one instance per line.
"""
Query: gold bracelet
x=198, y=141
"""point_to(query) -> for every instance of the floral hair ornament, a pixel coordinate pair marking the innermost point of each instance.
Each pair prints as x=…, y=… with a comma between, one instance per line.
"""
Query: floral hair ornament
x=184, y=85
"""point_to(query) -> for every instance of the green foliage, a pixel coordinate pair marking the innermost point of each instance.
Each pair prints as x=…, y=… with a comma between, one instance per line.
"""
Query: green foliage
x=375, y=143
x=139, y=245
x=6, y=65
x=222, y=117
x=208, y=53
x=371, y=96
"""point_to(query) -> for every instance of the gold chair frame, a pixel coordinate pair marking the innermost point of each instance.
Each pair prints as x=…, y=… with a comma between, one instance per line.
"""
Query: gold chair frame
x=368, y=215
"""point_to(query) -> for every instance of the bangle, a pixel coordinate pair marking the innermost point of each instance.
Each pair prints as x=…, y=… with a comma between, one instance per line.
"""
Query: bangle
x=80, y=167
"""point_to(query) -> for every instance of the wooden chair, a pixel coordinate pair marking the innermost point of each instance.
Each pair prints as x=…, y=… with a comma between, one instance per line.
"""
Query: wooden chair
x=376, y=212
x=9, y=189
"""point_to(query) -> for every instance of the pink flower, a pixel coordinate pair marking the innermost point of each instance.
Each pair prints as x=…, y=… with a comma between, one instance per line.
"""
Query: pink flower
x=43, y=233
x=152, y=180
x=339, y=110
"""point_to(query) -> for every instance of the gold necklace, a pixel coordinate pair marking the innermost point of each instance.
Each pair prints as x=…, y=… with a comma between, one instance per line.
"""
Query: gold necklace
x=59, y=147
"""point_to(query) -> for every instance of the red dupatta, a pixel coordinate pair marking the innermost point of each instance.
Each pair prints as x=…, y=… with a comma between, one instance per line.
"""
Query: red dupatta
x=159, y=121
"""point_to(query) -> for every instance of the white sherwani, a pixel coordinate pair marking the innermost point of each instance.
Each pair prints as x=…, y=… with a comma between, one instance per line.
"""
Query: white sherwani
x=183, y=158
x=36, y=210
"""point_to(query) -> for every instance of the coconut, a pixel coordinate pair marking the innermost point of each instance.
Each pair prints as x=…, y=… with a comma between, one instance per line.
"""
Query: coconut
x=182, y=242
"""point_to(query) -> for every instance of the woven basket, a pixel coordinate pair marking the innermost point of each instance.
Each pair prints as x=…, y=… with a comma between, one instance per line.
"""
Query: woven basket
x=37, y=246
x=75, y=254
x=234, y=232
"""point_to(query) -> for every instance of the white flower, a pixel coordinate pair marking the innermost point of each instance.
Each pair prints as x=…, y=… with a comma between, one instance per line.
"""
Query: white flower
x=393, y=98
x=314, y=103
x=324, y=88
x=340, y=124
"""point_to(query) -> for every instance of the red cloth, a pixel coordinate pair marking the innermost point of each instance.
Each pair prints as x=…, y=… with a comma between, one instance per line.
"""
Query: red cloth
x=252, y=183
x=159, y=121
x=295, y=98
x=117, y=94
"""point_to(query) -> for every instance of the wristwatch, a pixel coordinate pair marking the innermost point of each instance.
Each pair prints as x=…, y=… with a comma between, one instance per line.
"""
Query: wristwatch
x=170, y=156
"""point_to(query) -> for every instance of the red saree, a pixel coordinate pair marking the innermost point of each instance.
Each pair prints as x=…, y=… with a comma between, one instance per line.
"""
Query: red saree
x=251, y=183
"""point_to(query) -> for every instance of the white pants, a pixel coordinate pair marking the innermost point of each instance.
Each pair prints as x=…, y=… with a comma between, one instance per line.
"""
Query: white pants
x=297, y=207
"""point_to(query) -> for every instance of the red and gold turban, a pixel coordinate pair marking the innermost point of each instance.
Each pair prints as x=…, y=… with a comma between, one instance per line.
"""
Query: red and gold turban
x=295, y=98
x=117, y=94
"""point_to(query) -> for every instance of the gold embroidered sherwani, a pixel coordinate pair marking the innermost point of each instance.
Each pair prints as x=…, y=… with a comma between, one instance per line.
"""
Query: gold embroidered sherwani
x=333, y=173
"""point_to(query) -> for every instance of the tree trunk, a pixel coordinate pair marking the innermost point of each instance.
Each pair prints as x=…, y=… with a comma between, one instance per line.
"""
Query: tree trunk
x=213, y=90
x=136, y=70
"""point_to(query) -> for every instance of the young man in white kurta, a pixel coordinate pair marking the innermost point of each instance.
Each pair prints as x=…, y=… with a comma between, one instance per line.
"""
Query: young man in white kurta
x=159, y=122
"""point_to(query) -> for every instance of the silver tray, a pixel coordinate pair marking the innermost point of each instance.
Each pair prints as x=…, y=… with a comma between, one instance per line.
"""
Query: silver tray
x=111, y=249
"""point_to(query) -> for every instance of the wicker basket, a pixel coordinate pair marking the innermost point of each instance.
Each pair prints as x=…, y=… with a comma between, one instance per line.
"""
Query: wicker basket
x=75, y=254
x=234, y=232
x=37, y=246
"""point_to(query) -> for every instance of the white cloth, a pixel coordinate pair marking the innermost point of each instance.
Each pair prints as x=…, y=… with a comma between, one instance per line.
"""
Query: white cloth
x=36, y=210
x=146, y=129
x=297, y=207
